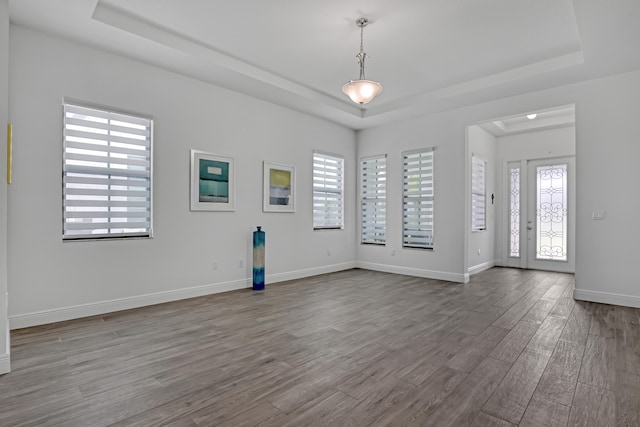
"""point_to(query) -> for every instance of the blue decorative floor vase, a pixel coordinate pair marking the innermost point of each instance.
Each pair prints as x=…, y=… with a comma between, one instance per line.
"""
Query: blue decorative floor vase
x=258, y=260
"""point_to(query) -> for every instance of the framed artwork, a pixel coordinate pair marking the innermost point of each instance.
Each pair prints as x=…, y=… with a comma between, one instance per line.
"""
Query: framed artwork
x=212, y=182
x=279, y=185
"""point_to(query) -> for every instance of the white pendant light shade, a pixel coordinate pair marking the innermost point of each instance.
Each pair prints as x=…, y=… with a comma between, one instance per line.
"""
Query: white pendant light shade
x=362, y=91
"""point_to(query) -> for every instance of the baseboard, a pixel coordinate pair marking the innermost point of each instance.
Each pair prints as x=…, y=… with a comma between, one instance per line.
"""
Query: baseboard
x=607, y=298
x=417, y=272
x=5, y=366
x=102, y=307
x=481, y=267
x=315, y=271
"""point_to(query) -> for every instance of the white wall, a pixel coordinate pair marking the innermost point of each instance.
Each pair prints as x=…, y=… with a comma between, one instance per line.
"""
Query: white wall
x=607, y=153
x=481, y=244
x=443, y=132
x=4, y=119
x=51, y=280
x=607, y=150
x=541, y=144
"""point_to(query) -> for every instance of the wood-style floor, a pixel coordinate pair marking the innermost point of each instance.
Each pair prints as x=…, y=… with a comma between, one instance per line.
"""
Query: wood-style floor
x=353, y=348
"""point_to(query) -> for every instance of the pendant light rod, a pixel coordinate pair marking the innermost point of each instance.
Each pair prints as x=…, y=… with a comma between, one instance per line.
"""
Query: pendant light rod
x=361, y=22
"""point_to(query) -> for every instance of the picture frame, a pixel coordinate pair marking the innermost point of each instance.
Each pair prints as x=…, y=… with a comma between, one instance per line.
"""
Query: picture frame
x=212, y=182
x=279, y=185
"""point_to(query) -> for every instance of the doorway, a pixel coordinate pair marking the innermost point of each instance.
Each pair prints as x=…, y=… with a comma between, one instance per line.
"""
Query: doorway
x=541, y=214
x=531, y=220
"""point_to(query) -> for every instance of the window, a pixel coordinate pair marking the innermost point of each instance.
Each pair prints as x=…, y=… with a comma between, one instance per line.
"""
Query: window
x=478, y=194
x=417, y=199
x=374, y=199
x=514, y=211
x=106, y=174
x=328, y=175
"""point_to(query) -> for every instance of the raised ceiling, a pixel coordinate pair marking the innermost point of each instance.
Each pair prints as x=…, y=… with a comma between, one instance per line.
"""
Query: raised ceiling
x=430, y=55
x=549, y=118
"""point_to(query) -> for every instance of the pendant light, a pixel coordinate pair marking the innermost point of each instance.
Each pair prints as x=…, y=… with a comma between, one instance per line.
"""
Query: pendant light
x=362, y=91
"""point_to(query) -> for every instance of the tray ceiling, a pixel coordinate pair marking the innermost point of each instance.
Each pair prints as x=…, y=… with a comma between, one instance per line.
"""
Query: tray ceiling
x=429, y=55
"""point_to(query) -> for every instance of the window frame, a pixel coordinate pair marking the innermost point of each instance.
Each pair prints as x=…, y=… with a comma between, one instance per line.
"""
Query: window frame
x=478, y=195
x=378, y=197
x=317, y=226
x=141, y=125
x=430, y=178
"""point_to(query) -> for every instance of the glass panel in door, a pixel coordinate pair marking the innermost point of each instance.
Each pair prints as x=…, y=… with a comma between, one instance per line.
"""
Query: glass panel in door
x=550, y=215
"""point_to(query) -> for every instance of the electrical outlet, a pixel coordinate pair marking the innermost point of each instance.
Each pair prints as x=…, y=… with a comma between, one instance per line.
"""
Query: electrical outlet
x=478, y=252
x=240, y=264
x=214, y=265
x=328, y=252
x=393, y=252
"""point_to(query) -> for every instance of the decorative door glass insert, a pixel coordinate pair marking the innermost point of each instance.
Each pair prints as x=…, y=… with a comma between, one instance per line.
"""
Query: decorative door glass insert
x=514, y=212
x=551, y=212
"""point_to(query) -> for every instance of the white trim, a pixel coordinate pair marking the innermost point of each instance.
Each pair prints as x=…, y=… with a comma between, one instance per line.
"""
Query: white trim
x=607, y=298
x=300, y=274
x=102, y=307
x=417, y=272
x=482, y=267
x=5, y=366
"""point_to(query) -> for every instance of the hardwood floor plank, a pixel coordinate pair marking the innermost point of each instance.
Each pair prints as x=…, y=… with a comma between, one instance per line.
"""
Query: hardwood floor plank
x=598, y=363
x=440, y=385
x=431, y=360
x=509, y=401
x=547, y=335
x=544, y=413
x=389, y=398
x=181, y=422
x=627, y=400
x=485, y=420
x=465, y=402
x=262, y=415
x=559, y=380
x=320, y=410
x=468, y=358
x=628, y=315
x=539, y=311
x=516, y=340
x=603, y=321
x=563, y=307
x=592, y=406
x=577, y=327
x=557, y=289
x=509, y=319
x=477, y=322
x=628, y=348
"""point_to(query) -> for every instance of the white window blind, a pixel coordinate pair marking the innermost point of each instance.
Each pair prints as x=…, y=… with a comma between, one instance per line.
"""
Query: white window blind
x=374, y=199
x=106, y=174
x=328, y=176
x=478, y=194
x=417, y=197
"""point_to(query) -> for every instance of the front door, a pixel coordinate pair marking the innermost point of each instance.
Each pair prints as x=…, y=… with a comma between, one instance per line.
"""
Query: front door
x=542, y=214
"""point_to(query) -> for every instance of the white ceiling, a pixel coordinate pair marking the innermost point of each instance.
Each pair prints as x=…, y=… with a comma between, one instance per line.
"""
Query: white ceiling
x=429, y=55
x=531, y=121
